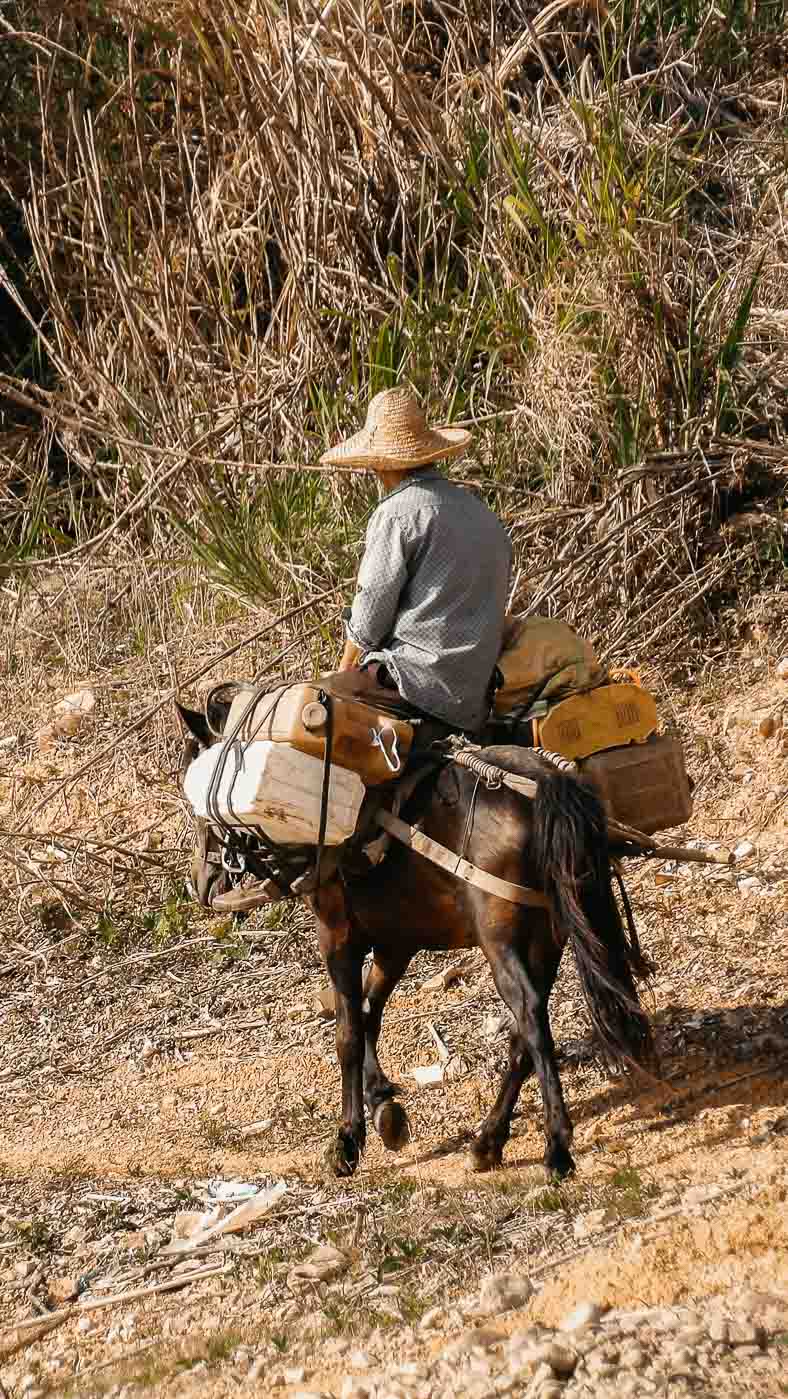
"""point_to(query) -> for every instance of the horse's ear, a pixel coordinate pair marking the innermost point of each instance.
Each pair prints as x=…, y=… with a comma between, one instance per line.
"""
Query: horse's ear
x=196, y=724
x=217, y=712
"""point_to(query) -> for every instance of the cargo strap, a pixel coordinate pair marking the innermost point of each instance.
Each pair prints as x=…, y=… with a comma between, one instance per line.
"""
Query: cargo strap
x=458, y=867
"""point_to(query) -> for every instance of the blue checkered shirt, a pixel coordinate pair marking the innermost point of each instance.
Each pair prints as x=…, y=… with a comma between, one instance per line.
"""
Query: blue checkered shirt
x=431, y=596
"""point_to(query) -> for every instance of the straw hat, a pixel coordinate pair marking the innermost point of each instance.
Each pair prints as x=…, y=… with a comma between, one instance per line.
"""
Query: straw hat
x=396, y=435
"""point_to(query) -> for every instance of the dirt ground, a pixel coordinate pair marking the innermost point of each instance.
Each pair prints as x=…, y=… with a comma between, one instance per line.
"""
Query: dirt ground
x=136, y=1075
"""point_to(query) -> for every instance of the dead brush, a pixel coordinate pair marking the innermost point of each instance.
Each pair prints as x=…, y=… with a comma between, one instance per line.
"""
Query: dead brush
x=565, y=228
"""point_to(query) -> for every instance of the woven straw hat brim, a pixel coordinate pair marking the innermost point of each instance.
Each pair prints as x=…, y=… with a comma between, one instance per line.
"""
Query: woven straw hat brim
x=402, y=451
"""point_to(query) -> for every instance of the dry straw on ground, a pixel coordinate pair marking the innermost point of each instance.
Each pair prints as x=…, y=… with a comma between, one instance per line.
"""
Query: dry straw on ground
x=227, y=226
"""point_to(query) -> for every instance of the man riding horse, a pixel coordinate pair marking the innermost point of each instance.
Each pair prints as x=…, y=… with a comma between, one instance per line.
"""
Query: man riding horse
x=425, y=632
x=427, y=622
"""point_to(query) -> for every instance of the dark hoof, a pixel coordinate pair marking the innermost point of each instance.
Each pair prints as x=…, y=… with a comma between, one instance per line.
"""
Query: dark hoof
x=559, y=1162
x=342, y=1155
x=486, y=1156
x=390, y=1121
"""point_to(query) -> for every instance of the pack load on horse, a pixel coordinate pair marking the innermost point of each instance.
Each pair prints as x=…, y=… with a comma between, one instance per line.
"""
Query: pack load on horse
x=419, y=804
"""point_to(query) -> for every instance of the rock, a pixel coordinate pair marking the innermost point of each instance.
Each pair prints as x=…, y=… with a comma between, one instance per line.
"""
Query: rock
x=353, y=1388
x=700, y=1195
x=743, y=850
x=592, y=1222
x=480, y=1338
x=63, y=1289
x=633, y=1358
x=432, y=1319
x=561, y=1359
x=82, y=702
x=743, y=1332
x=359, y=1360
x=680, y=1357
x=323, y=1265
x=691, y=1336
x=443, y=979
x=503, y=1292
x=187, y=1223
x=24, y=1268
x=295, y=1375
x=542, y=1375
x=70, y=714
x=428, y=1075
x=584, y=1314
x=136, y=1239
x=86, y=1325
x=494, y=1024
x=769, y=725
x=325, y=1003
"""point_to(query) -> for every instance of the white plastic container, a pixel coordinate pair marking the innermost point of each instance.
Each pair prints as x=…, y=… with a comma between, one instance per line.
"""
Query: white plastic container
x=278, y=789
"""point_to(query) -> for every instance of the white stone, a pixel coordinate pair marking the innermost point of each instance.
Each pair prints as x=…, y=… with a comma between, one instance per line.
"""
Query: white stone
x=743, y=1332
x=700, y=1195
x=443, y=979
x=481, y=1338
x=681, y=1356
x=353, y=1388
x=592, y=1222
x=323, y=1265
x=428, y=1075
x=325, y=1003
x=584, y=1314
x=503, y=1292
x=743, y=850
x=432, y=1319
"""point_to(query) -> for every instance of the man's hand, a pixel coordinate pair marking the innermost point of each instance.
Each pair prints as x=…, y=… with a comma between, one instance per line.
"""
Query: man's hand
x=350, y=656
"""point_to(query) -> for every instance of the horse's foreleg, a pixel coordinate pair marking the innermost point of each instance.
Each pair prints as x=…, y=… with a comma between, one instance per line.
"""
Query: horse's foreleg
x=389, y=1118
x=343, y=952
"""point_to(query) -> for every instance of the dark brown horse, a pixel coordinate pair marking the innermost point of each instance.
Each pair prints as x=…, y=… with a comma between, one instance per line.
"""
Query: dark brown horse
x=556, y=843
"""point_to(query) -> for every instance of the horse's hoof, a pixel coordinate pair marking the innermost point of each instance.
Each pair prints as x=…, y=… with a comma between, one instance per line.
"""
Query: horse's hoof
x=342, y=1156
x=486, y=1156
x=390, y=1121
x=559, y=1162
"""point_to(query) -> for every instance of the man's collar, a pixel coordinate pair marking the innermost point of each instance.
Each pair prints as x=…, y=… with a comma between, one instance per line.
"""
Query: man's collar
x=426, y=473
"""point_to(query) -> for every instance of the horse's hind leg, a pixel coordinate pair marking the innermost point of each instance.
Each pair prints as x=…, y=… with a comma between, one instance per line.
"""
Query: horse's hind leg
x=389, y=1118
x=487, y=1150
x=524, y=972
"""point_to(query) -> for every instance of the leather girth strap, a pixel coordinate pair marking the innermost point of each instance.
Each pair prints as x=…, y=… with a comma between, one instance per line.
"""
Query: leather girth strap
x=455, y=865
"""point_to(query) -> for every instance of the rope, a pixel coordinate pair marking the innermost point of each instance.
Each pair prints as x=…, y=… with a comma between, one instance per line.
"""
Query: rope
x=321, y=835
x=557, y=760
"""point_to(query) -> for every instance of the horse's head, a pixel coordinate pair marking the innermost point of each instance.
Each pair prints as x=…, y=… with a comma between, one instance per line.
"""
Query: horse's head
x=208, y=875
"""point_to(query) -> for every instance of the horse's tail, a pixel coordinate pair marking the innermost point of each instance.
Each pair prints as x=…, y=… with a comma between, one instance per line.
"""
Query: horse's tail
x=573, y=857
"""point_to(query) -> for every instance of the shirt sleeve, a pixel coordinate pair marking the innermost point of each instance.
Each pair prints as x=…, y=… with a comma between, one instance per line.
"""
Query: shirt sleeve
x=381, y=580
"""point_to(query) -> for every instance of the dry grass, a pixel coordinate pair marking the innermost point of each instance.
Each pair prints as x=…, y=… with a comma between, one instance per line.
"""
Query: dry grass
x=224, y=227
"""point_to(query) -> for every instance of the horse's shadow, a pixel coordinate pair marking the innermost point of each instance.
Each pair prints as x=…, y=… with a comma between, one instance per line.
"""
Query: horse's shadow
x=712, y=1058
